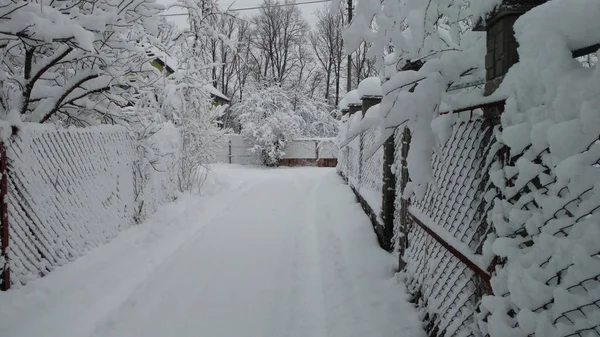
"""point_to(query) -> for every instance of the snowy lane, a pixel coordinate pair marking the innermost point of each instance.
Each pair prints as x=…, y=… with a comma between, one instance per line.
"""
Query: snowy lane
x=289, y=253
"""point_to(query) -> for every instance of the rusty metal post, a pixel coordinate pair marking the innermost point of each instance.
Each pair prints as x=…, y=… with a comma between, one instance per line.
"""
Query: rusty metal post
x=5, y=276
x=404, y=203
x=389, y=192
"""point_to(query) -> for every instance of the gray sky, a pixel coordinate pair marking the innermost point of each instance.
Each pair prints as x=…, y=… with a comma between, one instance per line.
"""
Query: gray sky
x=307, y=10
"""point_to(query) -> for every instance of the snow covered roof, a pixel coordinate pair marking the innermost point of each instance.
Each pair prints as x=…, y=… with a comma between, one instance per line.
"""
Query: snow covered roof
x=156, y=53
x=352, y=98
x=370, y=87
x=215, y=92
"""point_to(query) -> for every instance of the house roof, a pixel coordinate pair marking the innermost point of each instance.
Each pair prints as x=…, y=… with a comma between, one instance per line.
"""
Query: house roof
x=214, y=92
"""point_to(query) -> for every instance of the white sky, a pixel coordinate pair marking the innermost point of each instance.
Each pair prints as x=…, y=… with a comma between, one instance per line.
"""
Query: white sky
x=307, y=10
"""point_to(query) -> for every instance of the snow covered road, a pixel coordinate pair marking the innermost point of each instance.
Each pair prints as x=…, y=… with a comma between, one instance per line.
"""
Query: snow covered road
x=266, y=253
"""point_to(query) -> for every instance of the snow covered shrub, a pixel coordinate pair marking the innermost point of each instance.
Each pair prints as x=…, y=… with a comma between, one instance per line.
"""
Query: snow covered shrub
x=547, y=220
x=268, y=121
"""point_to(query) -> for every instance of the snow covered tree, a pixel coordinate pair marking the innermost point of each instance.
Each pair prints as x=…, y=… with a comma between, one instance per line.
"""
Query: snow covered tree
x=268, y=121
x=318, y=120
x=189, y=96
x=69, y=60
x=327, y=43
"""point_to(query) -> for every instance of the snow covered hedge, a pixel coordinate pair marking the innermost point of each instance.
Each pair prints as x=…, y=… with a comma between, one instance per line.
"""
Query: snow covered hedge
x=74, y=189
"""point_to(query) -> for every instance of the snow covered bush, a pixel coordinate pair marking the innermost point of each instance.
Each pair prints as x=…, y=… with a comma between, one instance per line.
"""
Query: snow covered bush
x=547, y=220
x=271, y=116
x=268, y=121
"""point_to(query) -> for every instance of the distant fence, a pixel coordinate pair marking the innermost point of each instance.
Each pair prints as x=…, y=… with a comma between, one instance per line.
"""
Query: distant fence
x=65, y=191
x=439, y=236
x=322, y=152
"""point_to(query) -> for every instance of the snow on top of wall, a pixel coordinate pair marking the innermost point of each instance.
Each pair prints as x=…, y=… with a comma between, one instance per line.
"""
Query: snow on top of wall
x=352, y=98
x=370, y=86
x=571, y=22
x=343, y=105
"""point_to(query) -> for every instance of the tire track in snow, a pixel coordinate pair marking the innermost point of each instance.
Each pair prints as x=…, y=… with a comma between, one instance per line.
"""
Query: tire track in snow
x=307, y=316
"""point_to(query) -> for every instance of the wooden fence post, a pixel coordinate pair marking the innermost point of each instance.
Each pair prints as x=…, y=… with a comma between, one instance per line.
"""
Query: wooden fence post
x=229, y=151
x=5, y=276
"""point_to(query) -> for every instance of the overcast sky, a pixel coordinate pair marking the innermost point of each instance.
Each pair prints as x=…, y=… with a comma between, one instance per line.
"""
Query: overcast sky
x=307, y=10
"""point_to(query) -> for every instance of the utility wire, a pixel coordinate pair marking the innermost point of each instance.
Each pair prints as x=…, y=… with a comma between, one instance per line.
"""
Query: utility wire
x=257, y=7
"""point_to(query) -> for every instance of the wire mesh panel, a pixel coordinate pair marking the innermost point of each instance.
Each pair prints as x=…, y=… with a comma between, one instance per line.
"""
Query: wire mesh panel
x=553, y=231
x=371, y=170
x=68, y=191
x=354, y=154
x=342, y=166
x=443, y=231
x=456, y=200
x=445, y=290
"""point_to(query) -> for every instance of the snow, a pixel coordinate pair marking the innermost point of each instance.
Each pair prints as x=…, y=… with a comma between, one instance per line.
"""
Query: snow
x=370, y=87
x=263, y=252
x=343, y=105
x=352, y=98
x=552, y=194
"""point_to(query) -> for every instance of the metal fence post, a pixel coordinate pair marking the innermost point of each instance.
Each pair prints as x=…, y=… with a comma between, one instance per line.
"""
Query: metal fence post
x=360, y=159
x=229, y=151
x=404, y=203
x=5, y=276
x=388, y=192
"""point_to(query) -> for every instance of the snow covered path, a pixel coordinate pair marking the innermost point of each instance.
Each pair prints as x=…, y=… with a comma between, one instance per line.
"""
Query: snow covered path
x=275, y=253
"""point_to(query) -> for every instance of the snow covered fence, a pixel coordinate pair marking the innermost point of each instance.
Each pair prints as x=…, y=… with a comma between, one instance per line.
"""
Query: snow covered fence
x=364, y=174
x=233, y=149
x=439, y=233
x=70, y=190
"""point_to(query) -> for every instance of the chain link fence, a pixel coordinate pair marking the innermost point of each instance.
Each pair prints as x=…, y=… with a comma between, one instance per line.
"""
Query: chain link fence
x=445, y=229
x=439, y=237
x=66, y=191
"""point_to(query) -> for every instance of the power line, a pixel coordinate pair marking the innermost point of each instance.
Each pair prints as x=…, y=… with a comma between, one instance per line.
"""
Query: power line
x=258, y=7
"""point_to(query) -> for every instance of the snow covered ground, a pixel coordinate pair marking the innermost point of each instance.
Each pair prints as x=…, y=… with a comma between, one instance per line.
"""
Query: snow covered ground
x=263, y=253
